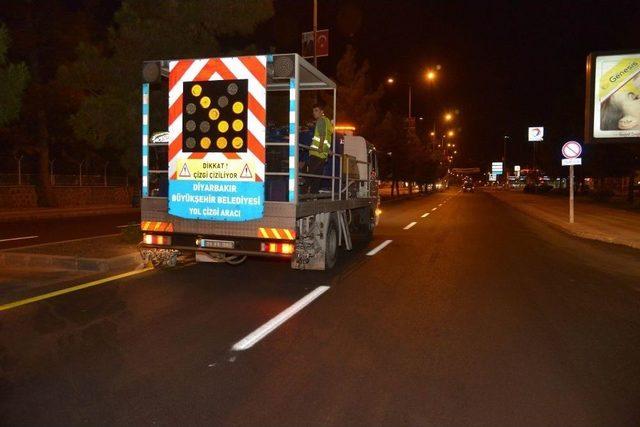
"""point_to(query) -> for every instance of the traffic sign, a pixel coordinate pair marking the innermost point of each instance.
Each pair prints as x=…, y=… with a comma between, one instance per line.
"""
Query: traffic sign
x=571, y=150
x=536, y=133
x=572, y=162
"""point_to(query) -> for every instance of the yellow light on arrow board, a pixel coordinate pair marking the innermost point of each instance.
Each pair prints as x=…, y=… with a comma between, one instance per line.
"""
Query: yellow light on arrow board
x=196, y=90
x=221, y=142
x=205, y=102
x=205, y=142
x=238, y=125
x=237, y=142
x=223, y=126
x=238, y=107
x=214, y=113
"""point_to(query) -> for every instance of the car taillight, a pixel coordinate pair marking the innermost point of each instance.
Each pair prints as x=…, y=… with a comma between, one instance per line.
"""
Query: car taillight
x=277, y=248
x=155, y=239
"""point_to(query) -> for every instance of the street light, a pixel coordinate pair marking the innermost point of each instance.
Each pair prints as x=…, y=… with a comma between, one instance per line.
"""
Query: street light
x=451, y=133
x=430, y=76
x=448, y=117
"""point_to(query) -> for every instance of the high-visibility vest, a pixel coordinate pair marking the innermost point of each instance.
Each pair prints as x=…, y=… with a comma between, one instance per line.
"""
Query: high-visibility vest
x=321, y=143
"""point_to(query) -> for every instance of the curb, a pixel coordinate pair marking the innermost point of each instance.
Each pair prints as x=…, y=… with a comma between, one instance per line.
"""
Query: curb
x=403, y=197
x=58, y=214
x=567, y=230
x=68, y=263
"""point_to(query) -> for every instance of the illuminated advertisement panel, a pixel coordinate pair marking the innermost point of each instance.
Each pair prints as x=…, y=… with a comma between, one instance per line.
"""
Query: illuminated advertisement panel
x=613, y=97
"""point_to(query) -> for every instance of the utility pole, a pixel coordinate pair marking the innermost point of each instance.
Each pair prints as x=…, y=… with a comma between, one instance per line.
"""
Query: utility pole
x=409, y=103
x=505, y=170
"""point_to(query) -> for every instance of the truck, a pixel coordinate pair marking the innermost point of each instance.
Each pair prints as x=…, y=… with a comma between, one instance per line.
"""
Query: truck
x=223, y=165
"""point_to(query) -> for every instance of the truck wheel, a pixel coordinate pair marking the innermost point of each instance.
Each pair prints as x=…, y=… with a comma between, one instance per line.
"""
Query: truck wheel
x=368, y=225
x=362, y=224
x=331, y=248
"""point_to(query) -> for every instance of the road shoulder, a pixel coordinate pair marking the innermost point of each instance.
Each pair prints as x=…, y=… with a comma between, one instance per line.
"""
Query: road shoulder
x=592, y=222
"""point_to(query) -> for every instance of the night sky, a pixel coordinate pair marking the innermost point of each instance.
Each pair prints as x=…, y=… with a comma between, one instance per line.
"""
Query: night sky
x=506, y=64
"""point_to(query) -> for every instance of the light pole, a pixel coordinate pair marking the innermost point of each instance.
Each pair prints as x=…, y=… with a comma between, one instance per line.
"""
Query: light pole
x=505, y=169
x=430, y=75
x=315, y=33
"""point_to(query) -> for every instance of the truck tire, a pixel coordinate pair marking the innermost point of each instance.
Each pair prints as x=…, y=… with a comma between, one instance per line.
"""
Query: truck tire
x=368, y=225
x=331, y=246
x=363, y=223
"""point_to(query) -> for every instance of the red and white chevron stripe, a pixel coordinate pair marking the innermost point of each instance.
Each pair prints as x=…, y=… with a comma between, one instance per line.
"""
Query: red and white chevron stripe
x=250, y=68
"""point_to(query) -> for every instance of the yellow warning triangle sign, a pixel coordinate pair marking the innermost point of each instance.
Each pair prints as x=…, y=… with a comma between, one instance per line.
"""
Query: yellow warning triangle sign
x=246, y=173
x=184, y=172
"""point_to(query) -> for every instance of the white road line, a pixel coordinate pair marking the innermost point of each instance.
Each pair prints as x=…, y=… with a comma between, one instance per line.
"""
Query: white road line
x=433, y=209
x=378, y=248
x=408, y=226
x=264, y=330
x=424, y=215
x=18, y=238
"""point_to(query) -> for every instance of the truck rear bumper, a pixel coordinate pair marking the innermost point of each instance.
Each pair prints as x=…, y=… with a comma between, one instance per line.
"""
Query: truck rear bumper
x=241, y=246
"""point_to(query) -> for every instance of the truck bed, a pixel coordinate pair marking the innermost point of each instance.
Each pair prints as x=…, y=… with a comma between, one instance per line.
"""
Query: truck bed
x=276, y=215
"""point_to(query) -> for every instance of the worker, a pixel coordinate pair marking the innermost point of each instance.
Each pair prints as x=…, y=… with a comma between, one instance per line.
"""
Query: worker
x=320, y=146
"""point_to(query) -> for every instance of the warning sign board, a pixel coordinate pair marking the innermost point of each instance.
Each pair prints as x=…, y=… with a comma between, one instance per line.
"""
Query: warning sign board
x=224, y=170
x=217, y=138
x=246, y=173
x=184, y=172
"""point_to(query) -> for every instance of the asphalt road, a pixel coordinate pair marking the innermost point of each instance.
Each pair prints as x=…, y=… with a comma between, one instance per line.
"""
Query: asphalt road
x=475, y=315
x=26, y=233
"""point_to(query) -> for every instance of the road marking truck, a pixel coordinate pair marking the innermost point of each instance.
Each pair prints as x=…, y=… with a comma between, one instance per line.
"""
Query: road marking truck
x=227, y=178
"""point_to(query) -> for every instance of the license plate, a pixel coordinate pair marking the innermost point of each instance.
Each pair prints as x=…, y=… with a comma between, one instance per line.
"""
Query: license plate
x=218, y=244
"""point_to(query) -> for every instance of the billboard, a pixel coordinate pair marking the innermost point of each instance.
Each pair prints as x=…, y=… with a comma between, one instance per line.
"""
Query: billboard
x=217, y=138
x=496, y=168
x=536, y=133
x=613, y=97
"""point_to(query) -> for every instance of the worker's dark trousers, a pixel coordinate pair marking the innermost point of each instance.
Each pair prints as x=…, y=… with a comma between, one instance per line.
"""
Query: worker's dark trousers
x=316, y=167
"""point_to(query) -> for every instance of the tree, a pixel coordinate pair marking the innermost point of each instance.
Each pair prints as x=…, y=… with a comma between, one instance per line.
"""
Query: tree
x=45, y=36
x=358, y=101
x=13, y=81
x=108, y=77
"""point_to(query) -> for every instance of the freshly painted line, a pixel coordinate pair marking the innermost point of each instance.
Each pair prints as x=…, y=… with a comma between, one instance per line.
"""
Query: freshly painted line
x=378, y=248
x=71, y=289
x=264, y=330
x=424, y=215
x=408, y=226
x=18, y=238
x=433, y=209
